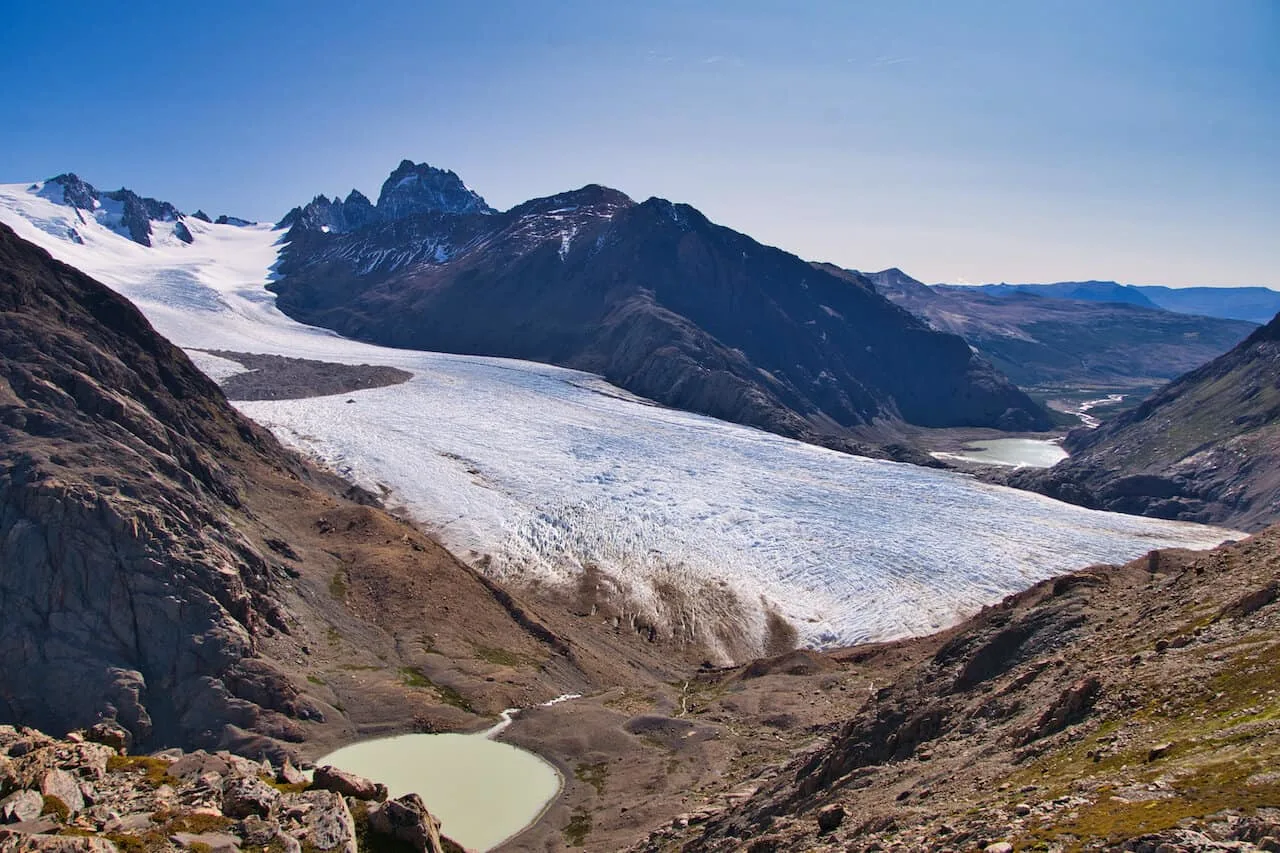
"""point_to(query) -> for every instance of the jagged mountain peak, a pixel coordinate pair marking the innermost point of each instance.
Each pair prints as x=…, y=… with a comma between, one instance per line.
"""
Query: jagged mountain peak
x=122, y=210
x=595, y=198
x=415, y=188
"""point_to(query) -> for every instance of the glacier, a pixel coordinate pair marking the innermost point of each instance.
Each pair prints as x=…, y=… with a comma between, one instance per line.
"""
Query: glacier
x=542, y=476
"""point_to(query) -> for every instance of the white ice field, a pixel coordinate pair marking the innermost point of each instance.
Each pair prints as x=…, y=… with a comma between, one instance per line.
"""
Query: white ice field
x=544, y=470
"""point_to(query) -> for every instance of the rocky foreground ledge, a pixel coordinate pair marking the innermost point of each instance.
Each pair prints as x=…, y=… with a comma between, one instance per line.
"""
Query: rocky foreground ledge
x=85, y=794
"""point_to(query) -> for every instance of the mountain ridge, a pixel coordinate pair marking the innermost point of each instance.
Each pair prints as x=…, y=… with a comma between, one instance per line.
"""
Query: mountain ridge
x=1040, y=340
x=655, y=298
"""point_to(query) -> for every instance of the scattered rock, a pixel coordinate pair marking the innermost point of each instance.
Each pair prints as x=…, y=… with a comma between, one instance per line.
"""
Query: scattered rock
x=21, y=806
x=290, y=775
x=830, y=818
x=328, y=778
x=407, y=819
x=249, y=796
x=999, y=847
x=59, y=844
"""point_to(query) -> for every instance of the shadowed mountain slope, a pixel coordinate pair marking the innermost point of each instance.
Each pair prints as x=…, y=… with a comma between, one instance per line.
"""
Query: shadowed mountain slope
x=653, y=297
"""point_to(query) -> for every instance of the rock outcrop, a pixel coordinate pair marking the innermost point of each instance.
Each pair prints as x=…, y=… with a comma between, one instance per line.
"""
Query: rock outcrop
x=128, y=592
x=76, y=795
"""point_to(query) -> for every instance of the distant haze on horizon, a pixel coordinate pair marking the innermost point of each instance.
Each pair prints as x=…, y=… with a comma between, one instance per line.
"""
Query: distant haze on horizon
x=961, y=142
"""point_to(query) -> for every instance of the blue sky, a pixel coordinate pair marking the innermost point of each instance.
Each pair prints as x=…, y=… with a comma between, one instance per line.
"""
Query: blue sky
x=978, y=141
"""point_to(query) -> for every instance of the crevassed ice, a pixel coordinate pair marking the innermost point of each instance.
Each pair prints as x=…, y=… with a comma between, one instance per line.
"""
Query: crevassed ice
x=545, y=471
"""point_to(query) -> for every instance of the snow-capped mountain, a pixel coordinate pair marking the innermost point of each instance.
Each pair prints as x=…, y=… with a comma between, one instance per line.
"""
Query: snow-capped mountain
x=690, y=525
x=123, y=211
x=651, y=295
x=413, y=189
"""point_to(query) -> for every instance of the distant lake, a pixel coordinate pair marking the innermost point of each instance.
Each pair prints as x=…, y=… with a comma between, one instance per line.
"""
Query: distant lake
x=1013, y=452
x=482, y=791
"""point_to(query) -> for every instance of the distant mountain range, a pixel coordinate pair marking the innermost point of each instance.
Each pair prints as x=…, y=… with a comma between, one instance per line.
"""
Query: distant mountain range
x=1254, y=304
x=1040, y=340
x=1205, y=447
x=651, y=295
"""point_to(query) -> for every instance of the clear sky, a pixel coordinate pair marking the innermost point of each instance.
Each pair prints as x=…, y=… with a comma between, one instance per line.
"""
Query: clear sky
x=1028, y=140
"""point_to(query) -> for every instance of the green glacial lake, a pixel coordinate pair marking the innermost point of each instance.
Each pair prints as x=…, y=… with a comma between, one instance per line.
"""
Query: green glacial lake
x=1013, y=452
x=482, y=791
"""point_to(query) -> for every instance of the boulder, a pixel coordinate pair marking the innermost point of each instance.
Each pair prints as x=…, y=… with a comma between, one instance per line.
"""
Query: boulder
x=210, y=842
x=112, y=734
x=830, y=818
x=247, y=796
x=328, y=778
x=406, y=819
x=61, y=784
x=21, y=806
x=290, y=775
x=328, y=824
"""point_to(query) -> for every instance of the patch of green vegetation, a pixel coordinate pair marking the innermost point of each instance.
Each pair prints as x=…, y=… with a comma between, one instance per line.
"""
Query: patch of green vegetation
x=1210, y=789
x=284, y=787
x=150, y=842
x=356, y=667
x=154, y=770
x=55, y=807
x=315, y=679
x=334, y=635
x=338, y=585
x=368, y=841
x=578, y=828
x=199, y=847
x=157, y=839
x=414, y=677
x=594, y=775
x=196, y=824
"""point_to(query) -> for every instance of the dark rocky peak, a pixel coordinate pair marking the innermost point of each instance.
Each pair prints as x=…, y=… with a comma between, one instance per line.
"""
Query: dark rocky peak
x=136, y=214
x=358, y=211
x=895, y=281
x=122, y=210
x=202, y=216
x=68, y=188
x=414, y=189
x=232, y=220
x=330, y=216
x=593, y=198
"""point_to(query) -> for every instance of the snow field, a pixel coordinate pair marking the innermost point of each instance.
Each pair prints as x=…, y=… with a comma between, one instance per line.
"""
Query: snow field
x=699, y=528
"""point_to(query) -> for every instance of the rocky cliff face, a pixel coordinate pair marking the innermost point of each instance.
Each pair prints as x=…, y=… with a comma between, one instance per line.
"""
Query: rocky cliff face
x=650, y=295
x=129, y=594
x=1205, y=447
